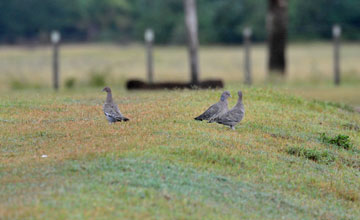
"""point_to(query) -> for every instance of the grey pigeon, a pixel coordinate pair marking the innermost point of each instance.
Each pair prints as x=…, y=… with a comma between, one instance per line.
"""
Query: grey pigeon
x=216, y=109
x=111, y=110
x=234, y=115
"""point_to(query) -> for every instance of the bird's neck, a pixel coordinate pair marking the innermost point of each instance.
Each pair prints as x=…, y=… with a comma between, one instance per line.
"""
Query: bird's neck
x=223, y=99
x=239, y=102
x=109, y=97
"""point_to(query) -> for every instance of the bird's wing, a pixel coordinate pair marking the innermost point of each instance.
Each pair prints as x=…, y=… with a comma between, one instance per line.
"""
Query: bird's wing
x=212, y=110
x=111, y=110
x=234, y=115
x=116, y=108
x=223, y=110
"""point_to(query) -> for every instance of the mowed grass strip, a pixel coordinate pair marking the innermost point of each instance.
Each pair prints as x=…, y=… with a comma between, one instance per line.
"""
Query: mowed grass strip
x=131, y=187
x=85, y=154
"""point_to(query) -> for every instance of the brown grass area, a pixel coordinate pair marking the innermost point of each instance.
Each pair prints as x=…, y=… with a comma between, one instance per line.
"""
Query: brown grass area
x=310, y=62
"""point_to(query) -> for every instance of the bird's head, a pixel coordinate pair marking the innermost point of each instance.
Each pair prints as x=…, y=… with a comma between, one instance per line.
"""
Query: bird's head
x=240, y=94
x=225, y=95
x=106, y=89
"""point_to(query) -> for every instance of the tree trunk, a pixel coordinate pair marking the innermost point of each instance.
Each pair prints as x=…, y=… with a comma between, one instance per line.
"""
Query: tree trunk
x=192, y=36
x=277, y=35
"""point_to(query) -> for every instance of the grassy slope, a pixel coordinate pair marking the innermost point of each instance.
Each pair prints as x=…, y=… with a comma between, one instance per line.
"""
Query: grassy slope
x=162, y=163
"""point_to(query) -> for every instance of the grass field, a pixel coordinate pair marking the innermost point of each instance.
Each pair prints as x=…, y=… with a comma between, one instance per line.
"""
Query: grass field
x=165, y=165
x=310, y=62
x=309, y=67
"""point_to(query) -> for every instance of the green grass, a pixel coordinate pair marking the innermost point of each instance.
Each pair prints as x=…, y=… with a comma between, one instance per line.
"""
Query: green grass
x=136, y=187
x=340, y=140
x=163, y=164
x=312, y=154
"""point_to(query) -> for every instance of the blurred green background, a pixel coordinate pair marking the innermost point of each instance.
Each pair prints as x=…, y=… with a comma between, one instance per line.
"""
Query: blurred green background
x=220, y=21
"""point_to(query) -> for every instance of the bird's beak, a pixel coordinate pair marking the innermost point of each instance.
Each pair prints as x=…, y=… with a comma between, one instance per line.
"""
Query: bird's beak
x=103, y=90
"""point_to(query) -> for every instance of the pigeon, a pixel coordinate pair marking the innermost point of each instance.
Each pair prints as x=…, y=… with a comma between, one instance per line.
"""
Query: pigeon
x=234, y=115
x=111, y=110
x=216, y=109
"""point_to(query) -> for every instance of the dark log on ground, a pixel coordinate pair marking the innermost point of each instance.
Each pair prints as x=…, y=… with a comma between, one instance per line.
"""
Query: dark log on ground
x=140, y=85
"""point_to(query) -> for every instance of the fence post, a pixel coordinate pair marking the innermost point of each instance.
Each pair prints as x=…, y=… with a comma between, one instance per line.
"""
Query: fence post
x=149, y=39
x=336, y=36
x=247, y=56
x=55, y=40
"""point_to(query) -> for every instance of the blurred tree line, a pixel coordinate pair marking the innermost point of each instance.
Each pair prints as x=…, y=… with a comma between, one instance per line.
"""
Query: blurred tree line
x=220, y=21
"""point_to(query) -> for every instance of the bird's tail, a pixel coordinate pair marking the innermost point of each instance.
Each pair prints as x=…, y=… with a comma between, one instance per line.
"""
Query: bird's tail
x=198, y=118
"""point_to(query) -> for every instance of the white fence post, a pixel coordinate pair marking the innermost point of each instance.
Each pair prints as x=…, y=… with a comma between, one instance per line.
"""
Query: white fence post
x=336, y=36
x=55, y=40
x=247, y=55
x=149, y=39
